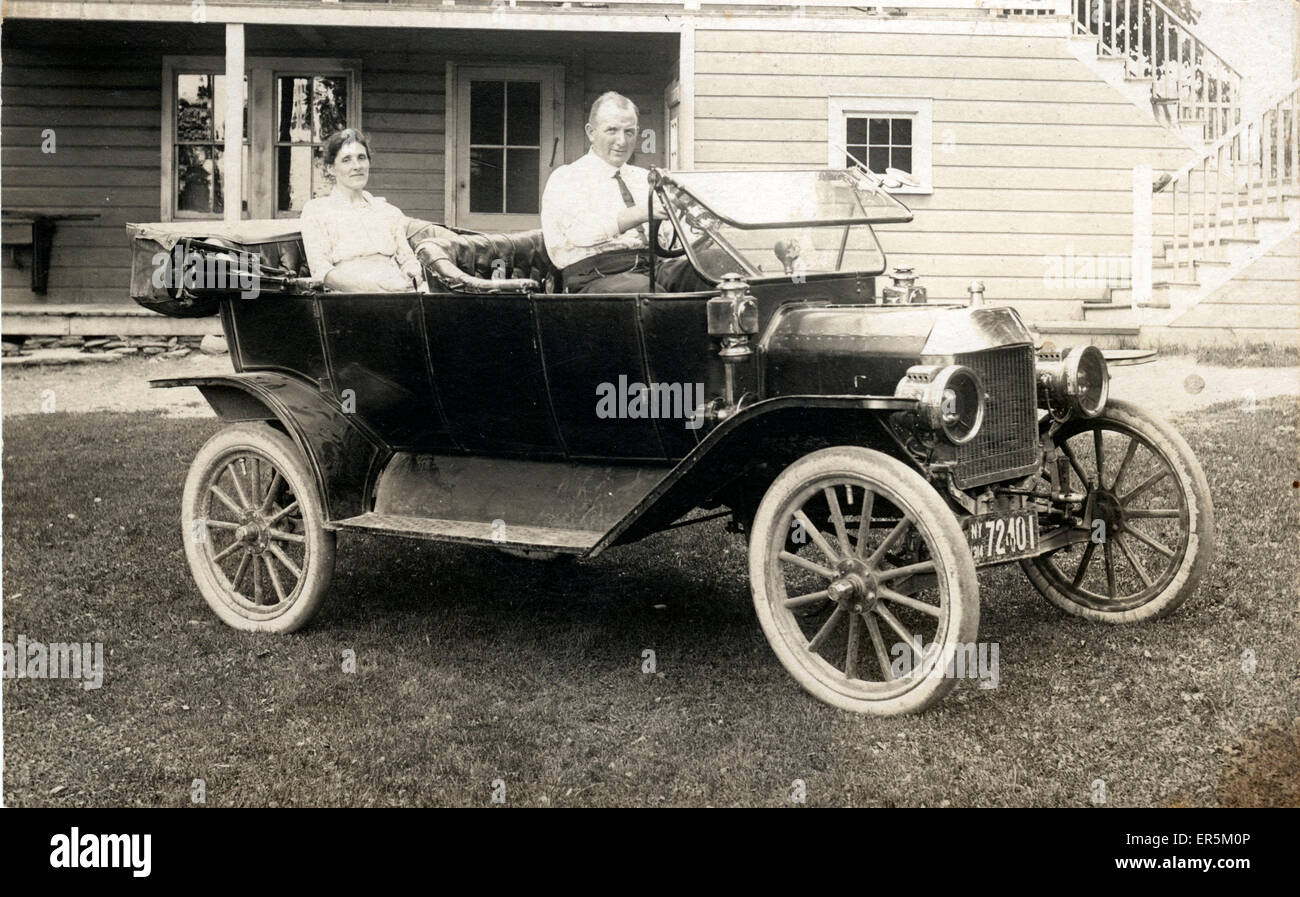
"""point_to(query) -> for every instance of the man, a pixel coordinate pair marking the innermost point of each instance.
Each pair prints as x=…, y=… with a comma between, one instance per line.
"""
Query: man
x=595, y=213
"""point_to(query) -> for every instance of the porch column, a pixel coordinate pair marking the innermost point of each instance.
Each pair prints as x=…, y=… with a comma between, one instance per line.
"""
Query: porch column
x=686, y=105
x=1140, y=278
x=233, y=151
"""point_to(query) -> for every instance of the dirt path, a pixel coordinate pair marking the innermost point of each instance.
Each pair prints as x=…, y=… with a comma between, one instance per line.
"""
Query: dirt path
x=116, y=386
x=1171, y=386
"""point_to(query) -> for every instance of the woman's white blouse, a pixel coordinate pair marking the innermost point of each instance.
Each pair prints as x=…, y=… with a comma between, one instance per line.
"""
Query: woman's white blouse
x=335, y=230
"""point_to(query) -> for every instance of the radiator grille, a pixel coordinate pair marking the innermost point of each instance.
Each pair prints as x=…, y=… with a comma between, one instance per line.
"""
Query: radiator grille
x=1007, y=443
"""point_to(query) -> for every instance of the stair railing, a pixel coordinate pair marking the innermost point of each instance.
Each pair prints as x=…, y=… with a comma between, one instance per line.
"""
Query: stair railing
x=1247, y=173
x=1155, y=43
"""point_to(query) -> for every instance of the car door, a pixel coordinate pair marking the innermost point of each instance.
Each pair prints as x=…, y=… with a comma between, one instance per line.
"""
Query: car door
x=593, y=350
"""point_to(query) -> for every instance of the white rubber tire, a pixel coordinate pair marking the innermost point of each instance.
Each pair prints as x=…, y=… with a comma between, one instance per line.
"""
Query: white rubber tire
x=299, y=604
x=947, y=546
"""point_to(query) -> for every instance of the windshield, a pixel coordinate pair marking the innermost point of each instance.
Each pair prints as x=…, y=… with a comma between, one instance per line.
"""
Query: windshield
x=779, y=223
x=764, y=198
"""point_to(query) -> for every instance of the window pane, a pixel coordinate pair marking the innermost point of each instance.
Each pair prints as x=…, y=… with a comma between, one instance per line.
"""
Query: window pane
x=218, y=199
x=299, y=177
x=330, y=104
x=294, y=115
x=903, y=158
x=194, y=107
x=879, y=130
x=194, y=174
x=524, y=113
x=522, y=181
x=902, y=131
x=854, y=154
x=487, y=112
x=219, y=107
x=485, y=181
x=879, y=159
x=857, y=130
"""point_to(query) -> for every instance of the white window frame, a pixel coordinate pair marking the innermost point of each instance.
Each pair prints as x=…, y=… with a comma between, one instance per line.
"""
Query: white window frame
x=261, y=72
x=919, y=109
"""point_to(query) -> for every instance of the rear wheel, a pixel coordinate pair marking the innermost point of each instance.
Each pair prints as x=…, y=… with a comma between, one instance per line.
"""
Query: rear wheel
x=867, y=609
x=1145, y=536
x=254, y=530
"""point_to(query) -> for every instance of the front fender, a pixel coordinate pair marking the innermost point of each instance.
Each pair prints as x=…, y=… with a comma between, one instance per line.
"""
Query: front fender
x=341, y=451
x=762, y=440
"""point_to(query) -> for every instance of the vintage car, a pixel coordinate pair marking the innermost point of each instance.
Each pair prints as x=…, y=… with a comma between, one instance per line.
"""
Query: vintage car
x=875, y=449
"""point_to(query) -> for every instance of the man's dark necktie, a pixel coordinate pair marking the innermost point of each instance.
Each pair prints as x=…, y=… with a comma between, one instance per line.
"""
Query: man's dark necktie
x=622, y=188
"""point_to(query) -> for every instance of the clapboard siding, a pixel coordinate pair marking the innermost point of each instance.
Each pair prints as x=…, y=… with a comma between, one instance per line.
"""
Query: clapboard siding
x=104, y=113
x=1032, y=153
x=881, y=43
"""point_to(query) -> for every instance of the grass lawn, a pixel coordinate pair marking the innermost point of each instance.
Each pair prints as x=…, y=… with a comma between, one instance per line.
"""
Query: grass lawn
x=472, y=666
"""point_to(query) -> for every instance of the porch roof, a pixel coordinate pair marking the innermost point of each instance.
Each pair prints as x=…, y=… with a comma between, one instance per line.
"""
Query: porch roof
x=543, y=15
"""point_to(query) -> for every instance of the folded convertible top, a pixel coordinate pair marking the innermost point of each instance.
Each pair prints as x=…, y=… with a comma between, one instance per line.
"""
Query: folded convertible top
x=254, y=231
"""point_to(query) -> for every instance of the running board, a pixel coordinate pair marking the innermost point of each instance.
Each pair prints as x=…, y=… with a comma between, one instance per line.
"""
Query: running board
x=496, y=533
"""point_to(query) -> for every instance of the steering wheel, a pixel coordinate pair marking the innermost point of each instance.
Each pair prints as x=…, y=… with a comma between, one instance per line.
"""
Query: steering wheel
x=670, y=247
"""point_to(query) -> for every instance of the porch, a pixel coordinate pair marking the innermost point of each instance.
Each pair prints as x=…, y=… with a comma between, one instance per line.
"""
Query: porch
x=465, y=124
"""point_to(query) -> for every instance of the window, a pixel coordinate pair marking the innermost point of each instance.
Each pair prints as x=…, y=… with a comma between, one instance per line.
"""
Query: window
x=504, y=130
x=880, y=142
x=883, y=132
x=309, y=109
x=200, y=129
x=504, y=133
x=295, y=105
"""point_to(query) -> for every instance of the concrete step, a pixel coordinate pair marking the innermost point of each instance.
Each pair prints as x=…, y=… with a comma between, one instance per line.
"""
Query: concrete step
x=1079, y=333
x=98, y=320
x=1111, y=313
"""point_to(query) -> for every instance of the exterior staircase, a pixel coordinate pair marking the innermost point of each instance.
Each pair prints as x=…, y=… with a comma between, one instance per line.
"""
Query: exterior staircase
x=1150, y=55
x=1215, y=247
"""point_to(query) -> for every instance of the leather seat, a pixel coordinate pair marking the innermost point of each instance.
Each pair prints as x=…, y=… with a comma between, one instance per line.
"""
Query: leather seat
x=512, y=262
x=482, y=262
x=288, y=255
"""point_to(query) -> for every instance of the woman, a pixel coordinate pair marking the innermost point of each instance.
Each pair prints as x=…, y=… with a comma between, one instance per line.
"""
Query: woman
x=355, y=242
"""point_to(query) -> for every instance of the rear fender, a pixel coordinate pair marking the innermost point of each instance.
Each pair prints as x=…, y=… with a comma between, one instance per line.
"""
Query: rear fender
x=341, y=451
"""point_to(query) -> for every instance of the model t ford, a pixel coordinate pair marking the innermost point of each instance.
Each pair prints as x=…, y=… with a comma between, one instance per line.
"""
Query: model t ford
x=876, y=450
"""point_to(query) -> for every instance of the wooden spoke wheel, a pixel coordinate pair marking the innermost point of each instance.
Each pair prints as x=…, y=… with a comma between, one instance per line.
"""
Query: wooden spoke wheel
x=862, y=581
x=253, y=528
x=1145, y=536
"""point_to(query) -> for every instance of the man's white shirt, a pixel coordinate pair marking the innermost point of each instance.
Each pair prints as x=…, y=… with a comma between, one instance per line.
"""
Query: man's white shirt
x=580, y=209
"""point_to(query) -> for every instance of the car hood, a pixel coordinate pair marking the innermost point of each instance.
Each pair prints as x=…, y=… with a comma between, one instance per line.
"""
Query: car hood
x=865, y=350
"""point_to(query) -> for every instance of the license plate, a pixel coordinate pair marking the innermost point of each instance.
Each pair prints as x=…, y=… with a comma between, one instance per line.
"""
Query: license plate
x=1003, y=536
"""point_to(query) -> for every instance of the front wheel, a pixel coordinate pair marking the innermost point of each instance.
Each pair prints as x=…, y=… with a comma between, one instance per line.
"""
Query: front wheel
x=862, y=581
x=1145, y=535
x=254, y=530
